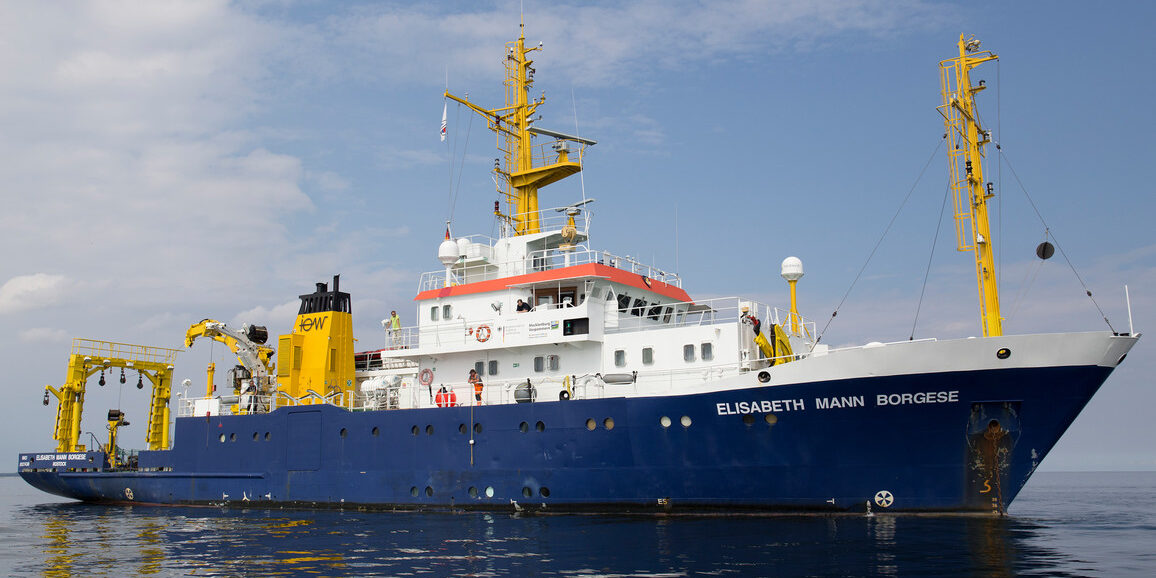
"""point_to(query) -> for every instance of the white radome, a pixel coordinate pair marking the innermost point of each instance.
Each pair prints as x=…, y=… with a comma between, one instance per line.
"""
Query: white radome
x=792, y=269
x=448, y=252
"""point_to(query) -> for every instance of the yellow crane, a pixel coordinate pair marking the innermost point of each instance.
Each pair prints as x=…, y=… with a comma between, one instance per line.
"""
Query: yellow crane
x=90, y=357
x=248, y=345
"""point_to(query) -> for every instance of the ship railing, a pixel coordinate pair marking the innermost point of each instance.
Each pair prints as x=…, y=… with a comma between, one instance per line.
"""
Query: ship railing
x=544, y=260
x=243, y=404
x=371, y=360
x=112, y=350
x=717, y=311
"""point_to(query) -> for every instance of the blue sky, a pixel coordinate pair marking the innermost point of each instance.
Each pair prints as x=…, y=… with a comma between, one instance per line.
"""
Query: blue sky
x=164, y=162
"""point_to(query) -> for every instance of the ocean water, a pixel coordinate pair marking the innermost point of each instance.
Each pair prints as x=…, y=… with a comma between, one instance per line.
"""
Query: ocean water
x=1063, y=524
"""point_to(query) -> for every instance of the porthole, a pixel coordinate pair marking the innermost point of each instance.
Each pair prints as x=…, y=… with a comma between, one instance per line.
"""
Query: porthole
x=462, y=428
x=428, y=491
x=544, y=492
x=233, y=437
x=749, y=419
x=376, y=432
x=222, y=438
x=343, y=433
x=1003, y=353
x=255, y=436
x=685, y=421
x=266, y=436
x=473, y=492
x=764, y=376
x=540, y=426
x=429, y=430
x=414, y=430
x=489, y=491
x=477, y=428
x=413, y=491
x=664, y=421
x=523, y=427
x=527, y=492
x=771, y=418
x=591, y=424
x=608, y=423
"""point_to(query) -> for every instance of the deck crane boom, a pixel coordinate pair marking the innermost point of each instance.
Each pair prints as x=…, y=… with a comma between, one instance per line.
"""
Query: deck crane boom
x=248, y=345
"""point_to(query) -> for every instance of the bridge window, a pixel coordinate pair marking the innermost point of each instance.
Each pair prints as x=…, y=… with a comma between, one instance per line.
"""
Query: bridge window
x=639, y=308
x=623, y=303
x=667, y=314
x=655, y=312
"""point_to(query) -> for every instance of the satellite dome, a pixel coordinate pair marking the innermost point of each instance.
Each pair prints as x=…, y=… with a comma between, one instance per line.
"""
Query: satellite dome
x=792, y=269
x=448, y=252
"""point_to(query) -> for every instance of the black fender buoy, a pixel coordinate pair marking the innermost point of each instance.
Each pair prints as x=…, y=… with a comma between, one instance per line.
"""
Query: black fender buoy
x=563, y=395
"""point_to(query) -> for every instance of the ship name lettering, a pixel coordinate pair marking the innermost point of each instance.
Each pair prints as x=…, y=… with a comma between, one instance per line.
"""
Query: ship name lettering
x=839, y=402
x=916, y=398
x=760, y=406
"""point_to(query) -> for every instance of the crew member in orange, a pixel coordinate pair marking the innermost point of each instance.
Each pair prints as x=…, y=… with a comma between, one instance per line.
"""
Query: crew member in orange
x=477, y=382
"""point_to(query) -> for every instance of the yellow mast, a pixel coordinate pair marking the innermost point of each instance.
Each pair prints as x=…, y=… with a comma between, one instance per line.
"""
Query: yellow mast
x=965, y=141
x=520, y=180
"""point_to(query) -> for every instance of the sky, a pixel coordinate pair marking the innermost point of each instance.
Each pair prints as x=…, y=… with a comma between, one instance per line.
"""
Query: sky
x=167, y=161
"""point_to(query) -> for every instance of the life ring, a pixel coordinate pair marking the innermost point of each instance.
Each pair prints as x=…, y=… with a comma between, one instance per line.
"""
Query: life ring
x=482, y=334
x=426, y=376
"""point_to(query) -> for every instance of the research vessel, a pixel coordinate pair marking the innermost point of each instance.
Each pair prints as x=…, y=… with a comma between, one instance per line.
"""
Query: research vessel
x=544, y=373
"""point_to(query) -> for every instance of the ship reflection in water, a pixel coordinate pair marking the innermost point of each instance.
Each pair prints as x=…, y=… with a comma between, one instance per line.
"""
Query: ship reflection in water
x=82, y=540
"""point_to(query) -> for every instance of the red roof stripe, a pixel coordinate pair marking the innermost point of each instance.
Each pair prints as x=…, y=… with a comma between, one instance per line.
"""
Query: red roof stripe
x=574, y=272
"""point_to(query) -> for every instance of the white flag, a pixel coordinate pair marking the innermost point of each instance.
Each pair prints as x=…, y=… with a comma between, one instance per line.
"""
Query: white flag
x=444, y=121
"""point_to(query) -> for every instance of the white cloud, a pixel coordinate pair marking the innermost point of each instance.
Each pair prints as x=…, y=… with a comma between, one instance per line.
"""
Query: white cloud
x=28, y=292
x=44, y=335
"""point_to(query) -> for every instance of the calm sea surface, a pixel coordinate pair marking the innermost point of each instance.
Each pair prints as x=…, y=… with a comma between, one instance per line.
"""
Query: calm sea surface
x=1063, y=524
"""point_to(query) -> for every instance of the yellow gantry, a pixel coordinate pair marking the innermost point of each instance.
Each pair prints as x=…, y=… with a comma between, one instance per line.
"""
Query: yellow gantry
x=526, y=169
x=965, y=141
x=90, y=357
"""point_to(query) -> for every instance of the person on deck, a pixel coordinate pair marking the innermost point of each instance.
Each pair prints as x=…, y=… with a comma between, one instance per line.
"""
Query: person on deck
x=395, y=328
x=523, y=306
x=477, y=383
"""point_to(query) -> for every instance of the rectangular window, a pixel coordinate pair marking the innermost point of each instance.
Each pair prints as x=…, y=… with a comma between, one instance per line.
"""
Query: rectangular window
x=552, y=362
x=539, y=364
x=647, y=355
x=667, y=314
x=447, y=312
x=480, y=367
x=639, y=308
x=688, y=352
x=493, y=367
x=654, y=312
x=707, y=352
x=619, y=358
x=623, y=303
x=433, y=313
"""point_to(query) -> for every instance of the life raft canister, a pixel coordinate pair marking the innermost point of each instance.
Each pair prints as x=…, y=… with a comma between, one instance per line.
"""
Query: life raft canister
x=446, y=398
x=426, y=376
x=482, y=334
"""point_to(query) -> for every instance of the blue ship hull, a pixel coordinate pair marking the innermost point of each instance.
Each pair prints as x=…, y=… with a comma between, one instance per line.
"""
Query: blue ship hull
x=904, y=443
